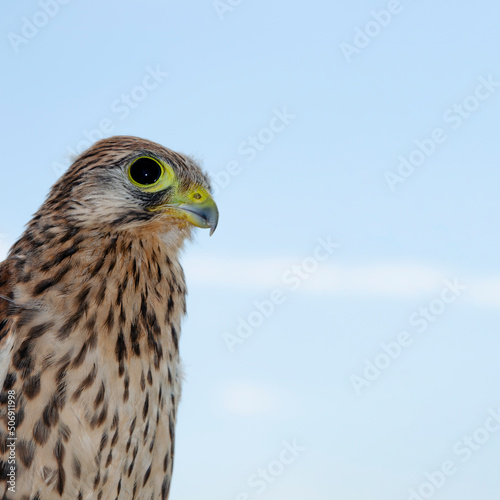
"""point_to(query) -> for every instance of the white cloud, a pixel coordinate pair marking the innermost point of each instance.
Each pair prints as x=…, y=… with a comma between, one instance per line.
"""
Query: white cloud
x=251, y=399
x=378, y=279
x=375, y=279
x=405, y=279
x=486, y=292
x=398, y=280
x=236, y=273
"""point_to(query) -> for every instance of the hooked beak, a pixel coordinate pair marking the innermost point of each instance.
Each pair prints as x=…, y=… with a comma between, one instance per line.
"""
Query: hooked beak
x=204, y=215
x=196, y=206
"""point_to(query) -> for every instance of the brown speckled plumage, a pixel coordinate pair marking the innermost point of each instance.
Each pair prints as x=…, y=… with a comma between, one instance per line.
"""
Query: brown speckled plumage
x=91, y=303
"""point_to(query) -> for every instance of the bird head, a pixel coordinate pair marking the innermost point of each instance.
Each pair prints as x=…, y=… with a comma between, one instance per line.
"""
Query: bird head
x=127, y=183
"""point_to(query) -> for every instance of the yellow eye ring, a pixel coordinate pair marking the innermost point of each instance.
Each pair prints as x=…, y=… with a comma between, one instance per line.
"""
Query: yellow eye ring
x=145, y=172
x=150, y=175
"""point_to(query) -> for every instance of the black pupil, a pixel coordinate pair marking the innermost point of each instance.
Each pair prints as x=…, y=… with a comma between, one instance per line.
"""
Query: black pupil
x=145, y=171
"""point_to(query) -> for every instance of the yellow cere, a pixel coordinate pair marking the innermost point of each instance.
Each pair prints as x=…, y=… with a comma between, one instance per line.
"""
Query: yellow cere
x=198, y=195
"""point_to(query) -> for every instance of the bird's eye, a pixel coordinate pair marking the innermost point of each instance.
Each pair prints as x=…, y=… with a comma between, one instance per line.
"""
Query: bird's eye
x=145, y=172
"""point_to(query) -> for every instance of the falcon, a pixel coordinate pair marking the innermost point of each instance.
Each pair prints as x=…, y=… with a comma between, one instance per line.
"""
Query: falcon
x=91, y=301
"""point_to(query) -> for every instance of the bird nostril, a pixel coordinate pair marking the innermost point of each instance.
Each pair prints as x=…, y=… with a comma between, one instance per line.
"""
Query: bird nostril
x=197, y=196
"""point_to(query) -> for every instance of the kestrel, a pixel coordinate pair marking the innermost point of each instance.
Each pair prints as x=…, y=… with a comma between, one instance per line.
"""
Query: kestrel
x=91, y=302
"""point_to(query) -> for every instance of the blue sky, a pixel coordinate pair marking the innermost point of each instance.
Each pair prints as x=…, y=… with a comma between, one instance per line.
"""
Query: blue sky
x=329, y=128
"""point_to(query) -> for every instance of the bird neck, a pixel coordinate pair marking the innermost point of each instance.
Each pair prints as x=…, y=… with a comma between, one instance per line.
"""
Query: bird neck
x=105, y=279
